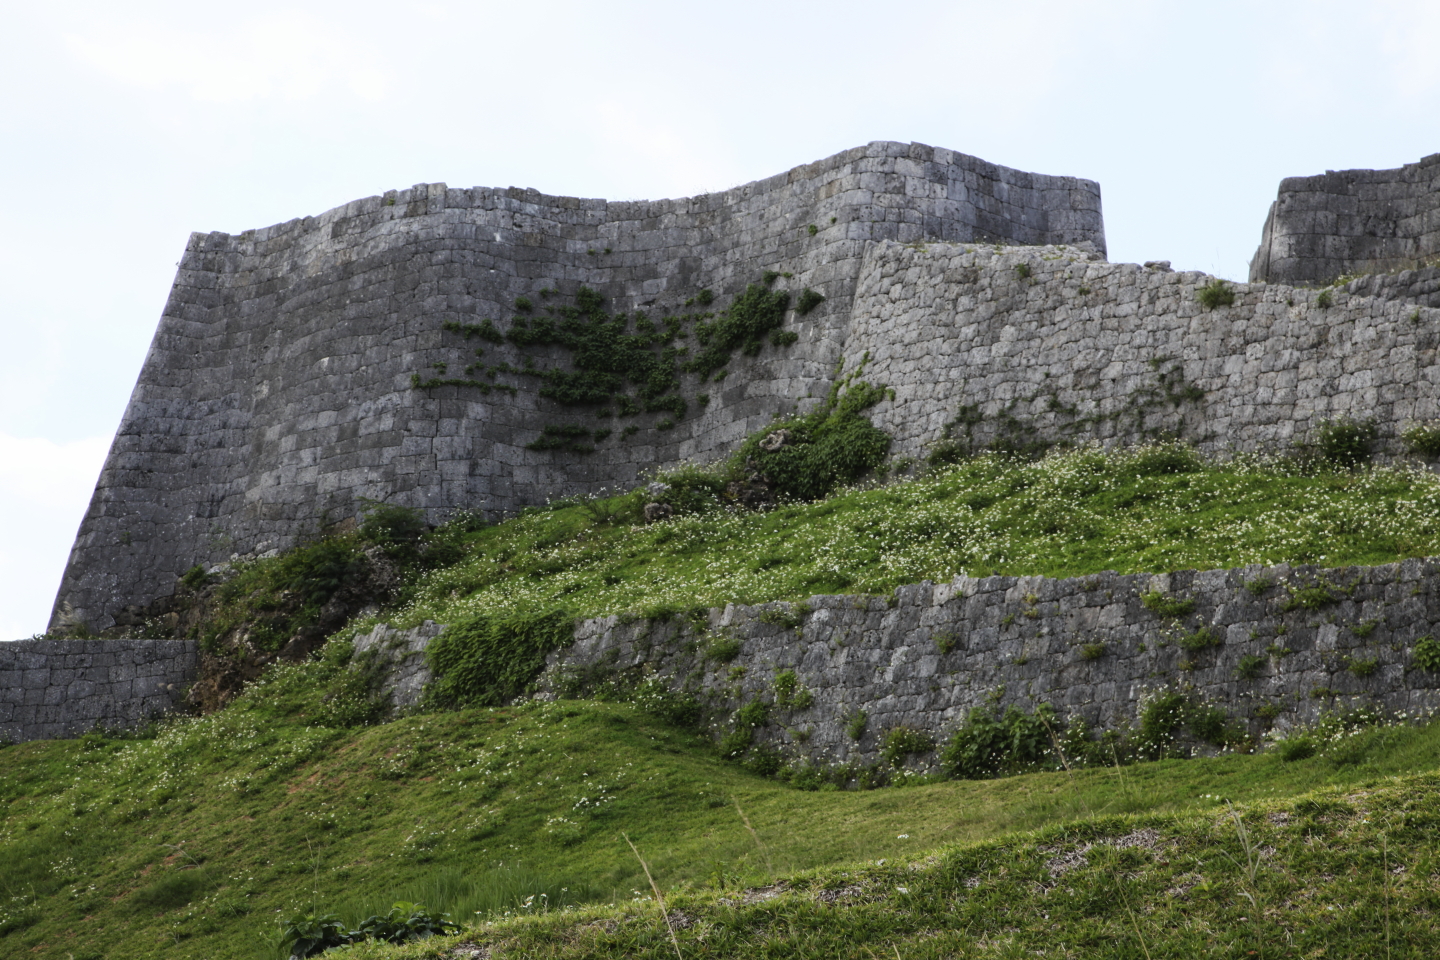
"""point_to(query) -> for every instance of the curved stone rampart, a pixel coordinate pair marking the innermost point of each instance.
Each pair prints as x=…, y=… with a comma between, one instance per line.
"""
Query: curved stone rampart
x=277, y=391
x=1351, y=221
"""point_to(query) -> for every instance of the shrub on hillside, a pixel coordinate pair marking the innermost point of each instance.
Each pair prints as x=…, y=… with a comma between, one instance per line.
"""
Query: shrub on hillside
x=807, y=457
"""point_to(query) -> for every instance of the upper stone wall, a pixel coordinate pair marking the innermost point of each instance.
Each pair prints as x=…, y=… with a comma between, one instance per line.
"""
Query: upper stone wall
x=277, y=391
x=1027, y=346
x=1351, y=221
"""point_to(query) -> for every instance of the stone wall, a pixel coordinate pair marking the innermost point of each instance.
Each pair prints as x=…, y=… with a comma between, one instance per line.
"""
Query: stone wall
x=1049, y=344
x=1422, y=286
x=1021, y=641
x=63, y=688
x=925, y=660
x=277, y=391
x=1351, y=221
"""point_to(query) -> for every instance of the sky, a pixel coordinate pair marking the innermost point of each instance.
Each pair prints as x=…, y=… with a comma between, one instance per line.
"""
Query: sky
x=124, y=127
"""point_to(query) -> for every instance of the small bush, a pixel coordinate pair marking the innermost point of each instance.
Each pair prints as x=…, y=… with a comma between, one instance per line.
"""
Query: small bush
x=1295, y=748
x=901, y=743
x=945, y=642
x=1201, y=639
x=1260, y=585
x=1345, y=442
x=1092, y=651
x=1423, y=440
x=1361, y=668
x=856, y=724
x=1162, y=459
x=195, y=579
x=1250, y=666
x=831, y=446
x=1022, y=271
x=1325, y=300
x=1216, y=293
x=1313, y=597
x=487, y=660
x=808, y=301
x=1426, y=654
x=1166, y=606
x=989, y=745
x=786, y=684
x=722, y=649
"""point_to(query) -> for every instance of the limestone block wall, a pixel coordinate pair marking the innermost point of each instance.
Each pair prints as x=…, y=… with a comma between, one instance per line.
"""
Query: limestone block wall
x=63, y=688
x=1053, y=344
x=1351, y=221
x=277, y=390
x=1421, y=285
x=937, y=651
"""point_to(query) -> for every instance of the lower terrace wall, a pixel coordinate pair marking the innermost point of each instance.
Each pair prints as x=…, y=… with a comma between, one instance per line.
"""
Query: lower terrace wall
x=1020, y=641
x=62, y=688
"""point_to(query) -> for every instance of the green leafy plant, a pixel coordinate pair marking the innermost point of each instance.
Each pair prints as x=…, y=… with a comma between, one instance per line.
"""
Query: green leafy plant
x=989, y=744
x=311, y=934
x=749, y=319
x=1313, y=596
x=1423, y=439
x=1426, y=654
x=946, y=642
x=1092, y=651
x=1344, y=441
x=1361, y=667
x=901, y=743
x=1165, y=605
x=1201, y=639
x=722, y=649
x=1325, y=299
x=1260, y=585
x=806, y=457
x=487, y=660
x=1216, y=293
x=788, y=616
x=856, y=723
x=808, y=301
x=1250, y=666
x=1022, y=271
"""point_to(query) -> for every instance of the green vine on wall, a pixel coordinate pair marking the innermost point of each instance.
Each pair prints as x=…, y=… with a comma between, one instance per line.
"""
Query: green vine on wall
x=624, y=364
x=1020, y=436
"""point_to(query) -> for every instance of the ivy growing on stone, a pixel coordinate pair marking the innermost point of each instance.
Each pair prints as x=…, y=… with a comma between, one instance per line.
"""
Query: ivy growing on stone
x=621, y=364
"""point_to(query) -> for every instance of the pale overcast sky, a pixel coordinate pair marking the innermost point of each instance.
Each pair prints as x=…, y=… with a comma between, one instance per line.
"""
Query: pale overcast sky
x=126, y=126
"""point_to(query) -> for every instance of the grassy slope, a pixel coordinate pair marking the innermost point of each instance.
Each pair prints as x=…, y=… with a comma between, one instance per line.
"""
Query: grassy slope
x=194, y=843
x=1067, y=515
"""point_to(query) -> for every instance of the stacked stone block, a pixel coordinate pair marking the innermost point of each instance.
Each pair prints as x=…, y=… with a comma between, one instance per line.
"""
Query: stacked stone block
x=935, y=652
x=63, y=688
x=1351, y=221
x=1069, y=348
x=277, y=391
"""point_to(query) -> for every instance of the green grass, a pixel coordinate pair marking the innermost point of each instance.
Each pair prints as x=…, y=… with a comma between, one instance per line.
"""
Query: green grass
x=1326, y=875
x=1067, y=515
x=196, y=842
x=200, y=840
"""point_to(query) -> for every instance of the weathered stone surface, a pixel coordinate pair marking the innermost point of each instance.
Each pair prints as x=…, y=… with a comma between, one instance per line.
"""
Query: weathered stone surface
x=1351, y=221
x=943, y=649
x=63, y=688
x=400, y=659
x=1063, y=347
x=277, y=390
